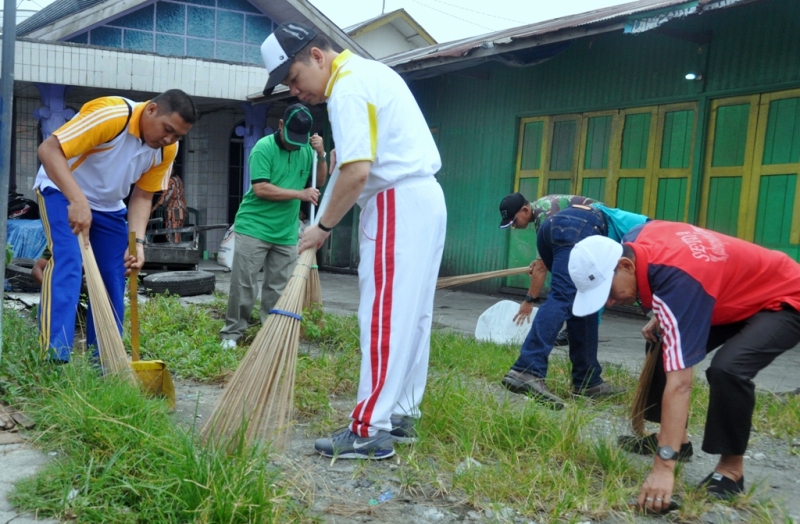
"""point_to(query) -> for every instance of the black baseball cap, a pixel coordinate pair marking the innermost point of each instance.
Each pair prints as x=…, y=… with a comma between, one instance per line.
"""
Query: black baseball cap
x=279, y=49
x=510, y=206
x=297, y=124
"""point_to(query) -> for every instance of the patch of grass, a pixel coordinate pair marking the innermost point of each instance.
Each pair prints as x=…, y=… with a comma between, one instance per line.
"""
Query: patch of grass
x=123, y=460
x=120, y=458
x=185, y=338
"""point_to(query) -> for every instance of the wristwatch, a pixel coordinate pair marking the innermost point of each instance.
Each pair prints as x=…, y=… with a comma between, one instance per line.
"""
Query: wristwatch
x=528, y=298
x=667, y=453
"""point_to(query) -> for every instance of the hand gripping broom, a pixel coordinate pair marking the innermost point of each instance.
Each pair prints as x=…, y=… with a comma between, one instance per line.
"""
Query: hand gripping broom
x=113, y=357
x=260, y=395
x=153, y=375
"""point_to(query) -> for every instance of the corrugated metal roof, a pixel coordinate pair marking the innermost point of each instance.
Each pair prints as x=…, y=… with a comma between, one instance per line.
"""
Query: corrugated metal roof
x=53, y=13
x=606, y=19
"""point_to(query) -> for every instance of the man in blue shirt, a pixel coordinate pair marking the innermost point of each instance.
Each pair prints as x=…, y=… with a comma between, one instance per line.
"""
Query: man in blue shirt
x=556, y=236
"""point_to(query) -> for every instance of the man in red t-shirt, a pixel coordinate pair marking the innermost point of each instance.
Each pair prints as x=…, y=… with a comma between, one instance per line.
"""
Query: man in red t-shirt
x=707, y=291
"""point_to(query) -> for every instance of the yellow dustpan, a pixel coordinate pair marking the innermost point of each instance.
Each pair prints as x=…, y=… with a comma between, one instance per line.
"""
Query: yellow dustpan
x=153, y=375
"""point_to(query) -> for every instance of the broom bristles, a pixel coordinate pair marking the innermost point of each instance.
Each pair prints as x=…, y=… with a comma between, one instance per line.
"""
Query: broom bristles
x=260, y=395
x=643, y=387
x=113, y=357
x=446, y=282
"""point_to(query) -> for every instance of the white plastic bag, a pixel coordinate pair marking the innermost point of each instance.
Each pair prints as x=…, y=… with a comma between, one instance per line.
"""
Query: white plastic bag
x=226, y=249
x=496, y=324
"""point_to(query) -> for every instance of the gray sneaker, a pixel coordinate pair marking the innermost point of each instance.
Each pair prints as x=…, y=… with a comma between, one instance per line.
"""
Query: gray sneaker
x=347, y=445
x=519, y=382
x=403, y=429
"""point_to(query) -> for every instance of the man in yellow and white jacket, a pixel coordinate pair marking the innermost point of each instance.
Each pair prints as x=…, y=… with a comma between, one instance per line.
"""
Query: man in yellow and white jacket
x=88, y=167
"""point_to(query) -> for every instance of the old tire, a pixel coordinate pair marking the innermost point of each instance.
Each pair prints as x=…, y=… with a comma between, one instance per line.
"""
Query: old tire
x=18, y=273
x=181, y=283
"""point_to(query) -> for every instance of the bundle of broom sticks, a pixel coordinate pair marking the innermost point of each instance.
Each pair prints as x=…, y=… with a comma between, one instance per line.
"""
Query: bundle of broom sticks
x=639, y=405
x=113, y=356
x=446, y=282
x=260, y=395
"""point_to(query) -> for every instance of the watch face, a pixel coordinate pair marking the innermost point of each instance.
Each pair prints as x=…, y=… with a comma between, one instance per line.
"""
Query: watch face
x=666, y=453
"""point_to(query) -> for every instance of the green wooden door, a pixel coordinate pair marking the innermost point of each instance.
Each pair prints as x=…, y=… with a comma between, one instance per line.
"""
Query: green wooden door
x=728, y=165
x=522, y=242
x=594, y=164
x=635, y=159
x=561, y=155
x=776, y=165
x=672, y=171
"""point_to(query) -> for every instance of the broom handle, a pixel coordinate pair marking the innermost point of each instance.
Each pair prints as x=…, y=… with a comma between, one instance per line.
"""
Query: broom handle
x=312, y=211
x=133, y=288
x=446, y=282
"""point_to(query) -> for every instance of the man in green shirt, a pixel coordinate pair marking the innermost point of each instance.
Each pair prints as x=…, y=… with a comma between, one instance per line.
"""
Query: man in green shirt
x=266, y=224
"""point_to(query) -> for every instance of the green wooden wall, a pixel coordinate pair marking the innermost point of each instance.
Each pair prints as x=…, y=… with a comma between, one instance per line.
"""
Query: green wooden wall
x=477, y=112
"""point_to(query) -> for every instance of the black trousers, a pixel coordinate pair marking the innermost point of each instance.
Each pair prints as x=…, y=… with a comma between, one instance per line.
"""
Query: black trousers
x=745, y=348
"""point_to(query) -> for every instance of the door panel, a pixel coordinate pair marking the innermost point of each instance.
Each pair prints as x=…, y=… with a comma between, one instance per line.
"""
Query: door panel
x=558, y=186
x=671, y=202
x=595, y=162
x=629, y=194
x=598, y=139
x=561, y=160
x=635, y=141
x=530, y=159
x=675, y=135
x=594, y=188
x=563, y=146
x=774, y=215
x=731, y=142
x=723, y=204
x=776, y=164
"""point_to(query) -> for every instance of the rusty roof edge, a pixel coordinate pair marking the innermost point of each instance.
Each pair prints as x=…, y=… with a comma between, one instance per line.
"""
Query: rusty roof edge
x=490, y=51
x=612, y=18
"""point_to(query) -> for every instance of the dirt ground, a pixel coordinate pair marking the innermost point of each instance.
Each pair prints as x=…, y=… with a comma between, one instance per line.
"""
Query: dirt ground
x=347, y=491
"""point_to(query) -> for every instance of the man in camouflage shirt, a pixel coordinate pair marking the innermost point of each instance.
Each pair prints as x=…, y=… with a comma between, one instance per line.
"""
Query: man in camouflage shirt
x=560, y=222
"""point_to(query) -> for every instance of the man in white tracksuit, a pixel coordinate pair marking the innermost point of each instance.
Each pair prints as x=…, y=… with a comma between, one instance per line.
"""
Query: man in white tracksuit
x=387, y=160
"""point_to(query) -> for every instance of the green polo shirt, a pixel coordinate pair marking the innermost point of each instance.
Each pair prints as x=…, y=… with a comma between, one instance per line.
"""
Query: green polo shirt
x=272, y=221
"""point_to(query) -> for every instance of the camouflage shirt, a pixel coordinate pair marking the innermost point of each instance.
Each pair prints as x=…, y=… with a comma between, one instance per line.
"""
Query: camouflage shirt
x=551, y=204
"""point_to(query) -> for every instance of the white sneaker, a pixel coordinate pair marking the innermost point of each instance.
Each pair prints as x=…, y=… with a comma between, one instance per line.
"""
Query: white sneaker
x=227, y=343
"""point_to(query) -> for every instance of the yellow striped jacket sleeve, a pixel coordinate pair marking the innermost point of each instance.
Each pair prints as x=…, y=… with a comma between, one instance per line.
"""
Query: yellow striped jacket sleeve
x=157, y=177
x=98, y=121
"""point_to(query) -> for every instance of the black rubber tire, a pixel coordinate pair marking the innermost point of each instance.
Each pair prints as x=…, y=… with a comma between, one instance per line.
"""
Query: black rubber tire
x=181, y=283
x=18, y=273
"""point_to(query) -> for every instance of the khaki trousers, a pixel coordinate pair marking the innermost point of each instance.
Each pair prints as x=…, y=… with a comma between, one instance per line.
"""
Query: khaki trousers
x=249, y=256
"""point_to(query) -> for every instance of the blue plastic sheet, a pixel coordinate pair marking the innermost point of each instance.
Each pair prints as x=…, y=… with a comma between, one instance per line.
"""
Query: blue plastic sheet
x=26, y=238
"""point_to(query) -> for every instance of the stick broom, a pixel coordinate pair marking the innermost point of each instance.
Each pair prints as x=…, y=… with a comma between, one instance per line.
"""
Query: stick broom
x=643, y=387
x=113, y=357
x=261, y=392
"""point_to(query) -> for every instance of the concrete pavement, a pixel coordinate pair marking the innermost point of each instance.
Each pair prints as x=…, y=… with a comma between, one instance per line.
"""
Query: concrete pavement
x=18, y=461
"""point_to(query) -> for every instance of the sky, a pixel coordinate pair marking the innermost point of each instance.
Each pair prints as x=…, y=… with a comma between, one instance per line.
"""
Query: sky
x=448, y=20
x=445, y=20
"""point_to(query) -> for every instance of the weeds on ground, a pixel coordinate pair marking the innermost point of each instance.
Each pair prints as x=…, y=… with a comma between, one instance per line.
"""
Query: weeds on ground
x=122, y=460
x=185, y=337
x=548, y=465
x=119, y=456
